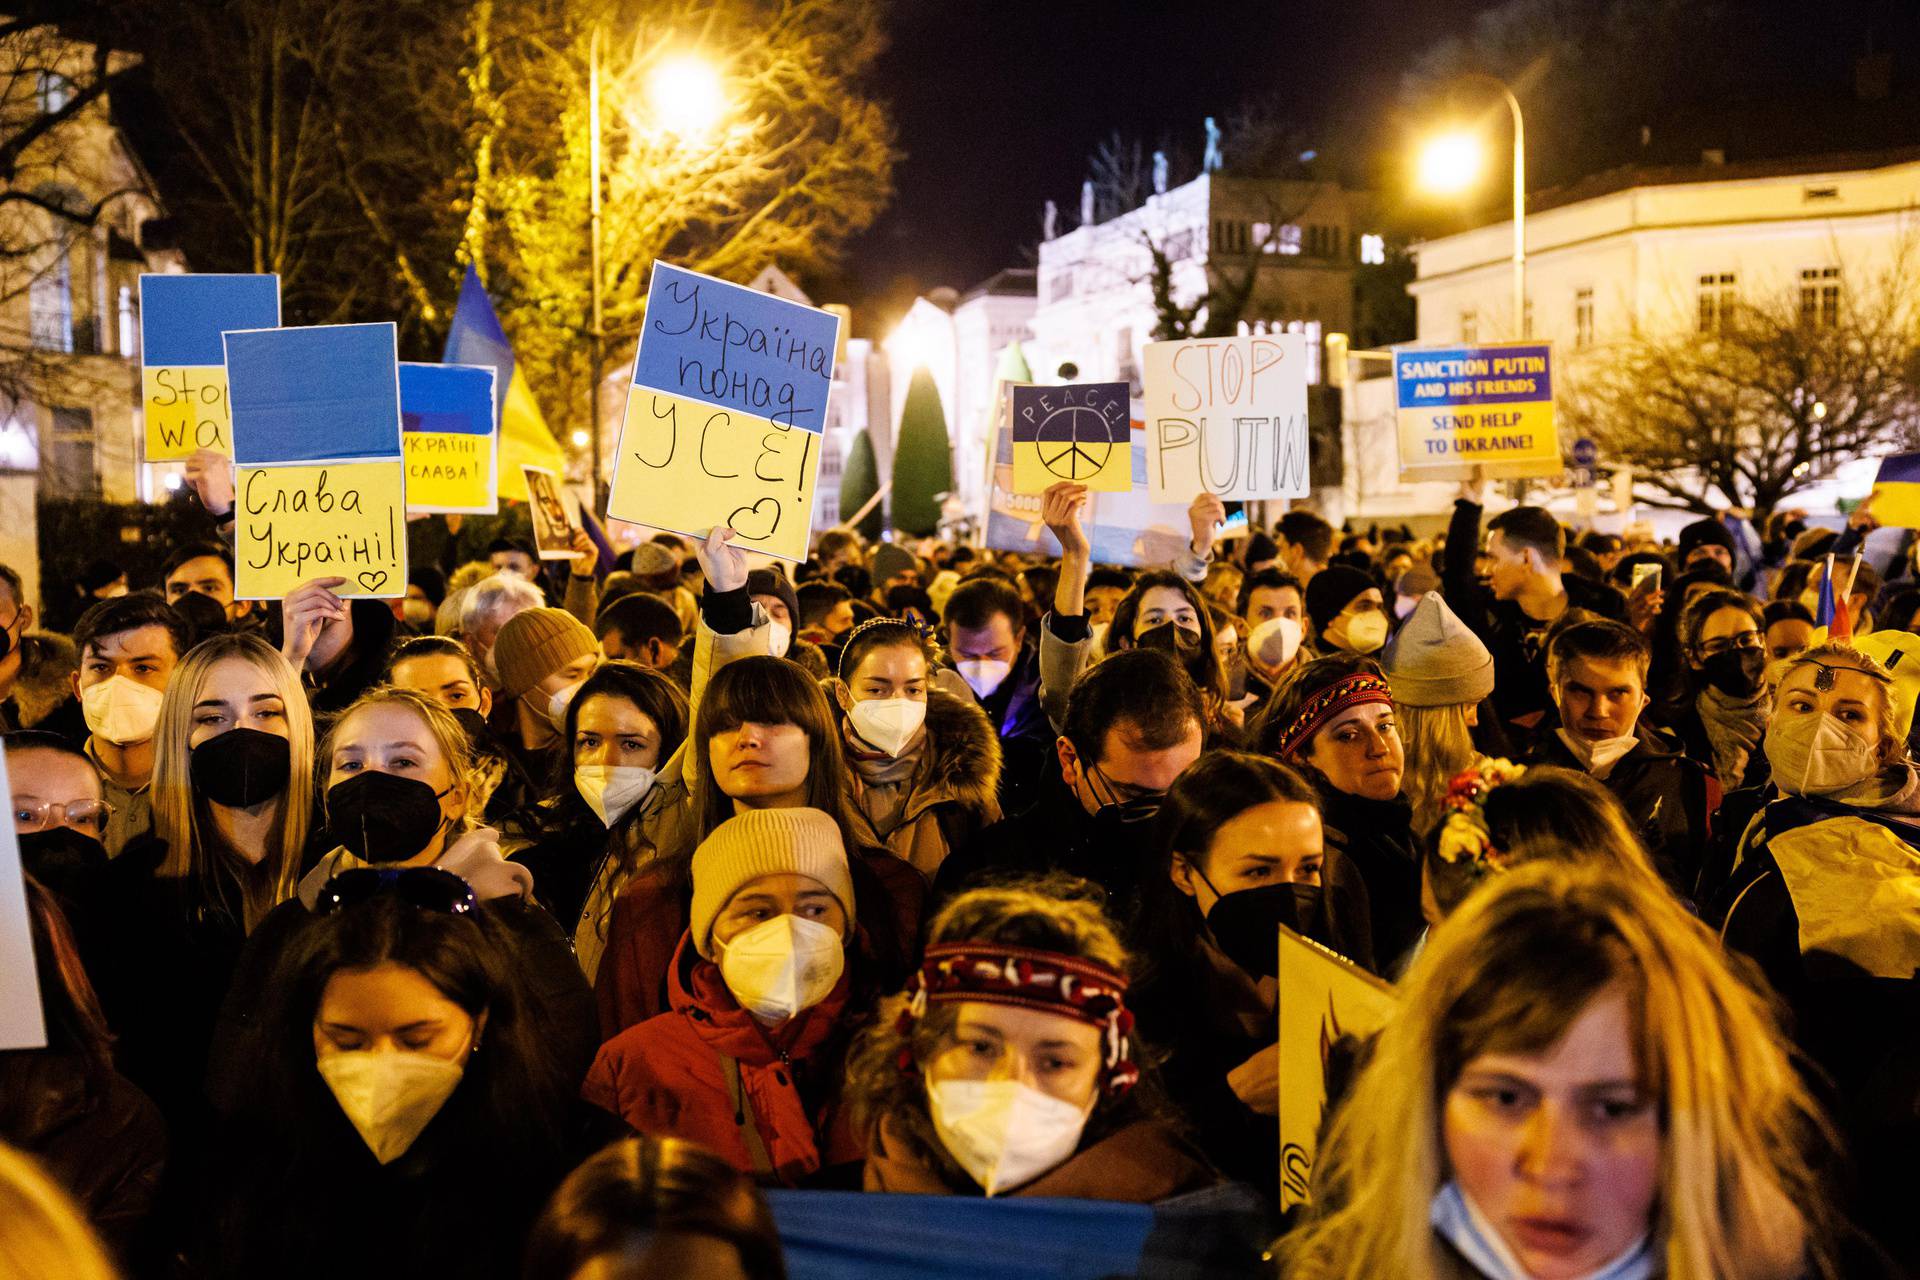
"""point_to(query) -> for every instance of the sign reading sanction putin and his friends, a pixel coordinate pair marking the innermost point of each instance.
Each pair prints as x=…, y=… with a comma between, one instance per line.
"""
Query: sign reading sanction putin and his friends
x=1488, y=408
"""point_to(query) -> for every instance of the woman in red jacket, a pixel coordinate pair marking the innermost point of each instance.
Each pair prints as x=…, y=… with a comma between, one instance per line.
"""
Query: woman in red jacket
x=746, y=1061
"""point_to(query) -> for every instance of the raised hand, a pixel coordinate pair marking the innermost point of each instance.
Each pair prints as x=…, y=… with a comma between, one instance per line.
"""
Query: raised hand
x=316, y=625
x=724, y=565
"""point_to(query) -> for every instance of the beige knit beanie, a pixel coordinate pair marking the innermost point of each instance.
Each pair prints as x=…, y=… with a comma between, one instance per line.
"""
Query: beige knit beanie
x=765, y=842
x=1435, y=660
x=535, y=644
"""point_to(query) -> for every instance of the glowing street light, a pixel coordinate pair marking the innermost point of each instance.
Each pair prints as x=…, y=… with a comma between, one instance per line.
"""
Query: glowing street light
x=686, y=95
x=1451, y=163
x=581, y=439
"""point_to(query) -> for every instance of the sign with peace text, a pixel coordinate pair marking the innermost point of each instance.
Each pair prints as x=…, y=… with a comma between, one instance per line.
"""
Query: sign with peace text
x=451, y=437
x=1467, y=411
x=183, y=375
x=1321, y=997
x=1227, y=416
x=1078, y=431
x=320, y=480
x=725, y=413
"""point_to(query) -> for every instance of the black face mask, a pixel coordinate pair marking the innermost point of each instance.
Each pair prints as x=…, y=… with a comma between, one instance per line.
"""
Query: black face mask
x=1246, y=923
x=1178, y=643
x=241, y=768
x=63, y=859
x=382, y=817
x=473, y=722
x=1737, y=672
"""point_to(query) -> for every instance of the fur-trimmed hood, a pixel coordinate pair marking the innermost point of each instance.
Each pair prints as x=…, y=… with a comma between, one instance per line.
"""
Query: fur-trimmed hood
x=964, y=751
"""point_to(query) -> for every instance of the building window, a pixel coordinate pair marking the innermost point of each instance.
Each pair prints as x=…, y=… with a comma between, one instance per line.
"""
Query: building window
x=66, y=464
x=1469, y=326
x=54, y=91
x=1582, y=318
x=1718, y=294
x=1820, y=297
x=1373, y=251
x=1060, y=285
x=1229, y=236
x=129, y=324
x=1287, y=242
x=50, y=306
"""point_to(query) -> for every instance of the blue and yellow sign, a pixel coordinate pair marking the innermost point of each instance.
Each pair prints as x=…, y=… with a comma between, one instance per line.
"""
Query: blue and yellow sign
x=1462, y=408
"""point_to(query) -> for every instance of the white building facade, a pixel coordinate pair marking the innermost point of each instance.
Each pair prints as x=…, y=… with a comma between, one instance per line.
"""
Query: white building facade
x=1658, y=251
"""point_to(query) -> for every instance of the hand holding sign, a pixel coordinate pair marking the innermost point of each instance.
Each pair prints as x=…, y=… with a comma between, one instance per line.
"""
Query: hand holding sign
x=210, y=476
x=316, y=625
x=724, y=566
x=1256, y=1082
x=1206, y=514
x=1061, y=509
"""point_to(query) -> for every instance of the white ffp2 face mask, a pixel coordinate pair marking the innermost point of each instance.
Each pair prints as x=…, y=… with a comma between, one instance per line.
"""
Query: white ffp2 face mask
x=390, y=1096
x=611, y=790
x=888, y=724
x=1816, y=757
x=1002, y=1132
x=984, y=675
x=1366, y=632
x=1598, y=758
x=781, y=966
x=558, y=703
x=780, y=637
x=121, y=710
x=1274, y=642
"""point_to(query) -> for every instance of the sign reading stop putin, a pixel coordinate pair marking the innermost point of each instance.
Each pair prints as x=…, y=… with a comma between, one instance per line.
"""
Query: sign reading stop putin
x=1484, y=410
x=1227, y=416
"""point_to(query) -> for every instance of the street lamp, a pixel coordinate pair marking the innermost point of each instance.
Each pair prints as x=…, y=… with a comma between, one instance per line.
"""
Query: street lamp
x=685, y=93
x=1451, y=162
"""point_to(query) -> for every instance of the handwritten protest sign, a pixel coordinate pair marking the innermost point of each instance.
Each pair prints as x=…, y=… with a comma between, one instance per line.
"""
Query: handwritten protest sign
x=183, y=376
x=450, y=436
x=552, y=526
x=22, y=1025
x=1465, y=408
x=320, y=480
x=724, y=416
x=1227, y=416
x=1322, y=996
x=1080, y=431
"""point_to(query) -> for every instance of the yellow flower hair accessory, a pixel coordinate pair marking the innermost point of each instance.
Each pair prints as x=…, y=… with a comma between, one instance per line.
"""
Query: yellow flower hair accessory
x=1463, y=834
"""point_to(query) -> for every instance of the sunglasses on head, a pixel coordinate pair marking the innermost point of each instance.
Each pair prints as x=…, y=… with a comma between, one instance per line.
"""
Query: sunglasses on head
x=428, y=888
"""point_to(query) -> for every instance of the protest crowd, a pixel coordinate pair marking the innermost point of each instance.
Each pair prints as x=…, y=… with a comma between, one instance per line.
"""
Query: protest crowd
x=557, y=919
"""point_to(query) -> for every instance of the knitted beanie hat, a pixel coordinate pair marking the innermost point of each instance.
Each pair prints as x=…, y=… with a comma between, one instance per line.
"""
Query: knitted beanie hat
x=1705, y=533
x=768, y=582
x=1333, y=589
x=535, y=644
x=765, y=842
x=1435, y=660
x=890, y=559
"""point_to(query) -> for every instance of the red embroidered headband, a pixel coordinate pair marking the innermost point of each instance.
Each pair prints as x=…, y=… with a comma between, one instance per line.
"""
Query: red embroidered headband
x=997, y=973
x=1353, y=691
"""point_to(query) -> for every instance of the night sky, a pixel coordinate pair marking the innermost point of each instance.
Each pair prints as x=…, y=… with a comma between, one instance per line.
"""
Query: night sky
x=999, y=102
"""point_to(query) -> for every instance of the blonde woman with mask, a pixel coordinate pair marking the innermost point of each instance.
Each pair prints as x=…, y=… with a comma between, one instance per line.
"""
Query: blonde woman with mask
x=1576, y=1085
x=232, y=805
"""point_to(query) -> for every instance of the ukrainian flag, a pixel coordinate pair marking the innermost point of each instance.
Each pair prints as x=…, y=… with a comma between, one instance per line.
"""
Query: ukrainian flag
x=477, y=338
x=1895, y=499
x=1854, y=877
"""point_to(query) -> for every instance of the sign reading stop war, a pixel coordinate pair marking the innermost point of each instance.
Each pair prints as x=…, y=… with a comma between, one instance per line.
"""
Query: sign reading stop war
x=1322, y=996
x=321, y=484
x=1081, y=431
x=1465, y=408
x=724, y=415
x=450, y=436
x=1227, y=416
x=183, y=376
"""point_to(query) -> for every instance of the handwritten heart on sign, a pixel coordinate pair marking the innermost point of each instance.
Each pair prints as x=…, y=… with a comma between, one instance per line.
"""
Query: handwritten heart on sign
x=747, y=522
x=373, y=581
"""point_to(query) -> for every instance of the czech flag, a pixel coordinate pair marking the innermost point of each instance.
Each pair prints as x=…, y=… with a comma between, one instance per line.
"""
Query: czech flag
x=477, y=338
x=1895, y=499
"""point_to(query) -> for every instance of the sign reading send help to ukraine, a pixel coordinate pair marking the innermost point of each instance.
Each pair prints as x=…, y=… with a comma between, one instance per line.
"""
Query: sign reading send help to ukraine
x=320, y=482
x=725, y=413
x=1489, y=409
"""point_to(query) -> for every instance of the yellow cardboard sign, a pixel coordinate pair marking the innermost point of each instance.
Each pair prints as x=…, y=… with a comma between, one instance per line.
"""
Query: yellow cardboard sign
x=1078, y=432
x=295, y=523
x=1466, y=411
x=186, y=411
x=682, y=463
x=448, y=471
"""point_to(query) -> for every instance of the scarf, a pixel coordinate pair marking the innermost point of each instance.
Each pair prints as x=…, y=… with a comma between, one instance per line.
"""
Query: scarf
x=1459, y=1222
x=1734, y=728
x=882, y=783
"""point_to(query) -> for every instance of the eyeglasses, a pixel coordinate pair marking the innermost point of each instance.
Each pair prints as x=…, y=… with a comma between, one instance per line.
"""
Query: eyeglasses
x=1727, y=644
x=428, y=888
x=33, y=816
